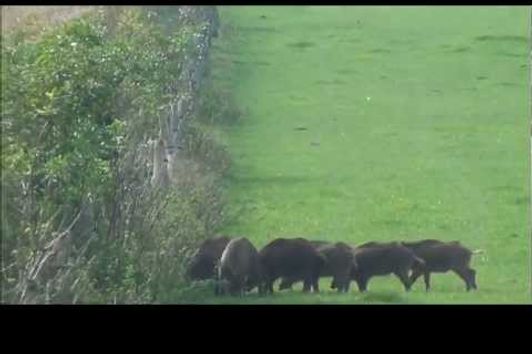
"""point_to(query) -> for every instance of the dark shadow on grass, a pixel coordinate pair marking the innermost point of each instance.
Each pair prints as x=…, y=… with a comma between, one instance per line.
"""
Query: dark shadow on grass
x=505, y=188
x=512, y=55
x=444, y=227
x=522, y=200
x=460, y=50
x=301, y=45
x=257, y=29
x=383, y=297
x=267, y=180
x=507, y=84
x=503, y=38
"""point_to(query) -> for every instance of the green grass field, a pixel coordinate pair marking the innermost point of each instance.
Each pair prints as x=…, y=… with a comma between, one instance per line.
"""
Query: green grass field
x=382, y=123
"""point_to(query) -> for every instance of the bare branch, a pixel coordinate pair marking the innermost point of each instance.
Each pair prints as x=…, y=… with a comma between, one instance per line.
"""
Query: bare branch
x=52, y=248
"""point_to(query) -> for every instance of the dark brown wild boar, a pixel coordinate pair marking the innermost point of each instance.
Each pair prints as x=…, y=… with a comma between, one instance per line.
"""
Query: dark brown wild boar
x=339, y=261
x=380, y=259
x=239, y=269
x=203, y=263
x=317, y=243
x=294, y=258
x=441, y=257
x=377, y=244
x=287, y=283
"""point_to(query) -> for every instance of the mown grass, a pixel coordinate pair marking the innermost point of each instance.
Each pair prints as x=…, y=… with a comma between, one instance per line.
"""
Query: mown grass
x=382, y=123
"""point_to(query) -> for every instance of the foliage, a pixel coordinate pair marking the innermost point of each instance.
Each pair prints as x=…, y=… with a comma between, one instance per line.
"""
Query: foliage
x=79, y=104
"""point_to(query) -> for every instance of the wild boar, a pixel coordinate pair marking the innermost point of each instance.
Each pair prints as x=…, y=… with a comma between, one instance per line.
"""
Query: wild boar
x=294, y=258
x=442, y=257
x=203, y=263
x=339, y=261
x=379, y=259
x=239, y=269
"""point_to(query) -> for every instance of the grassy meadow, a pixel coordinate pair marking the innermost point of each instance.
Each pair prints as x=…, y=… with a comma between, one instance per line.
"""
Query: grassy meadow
x=382, y=123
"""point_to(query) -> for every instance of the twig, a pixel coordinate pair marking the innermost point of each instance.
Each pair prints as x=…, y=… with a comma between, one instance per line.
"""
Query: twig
x=52, y=248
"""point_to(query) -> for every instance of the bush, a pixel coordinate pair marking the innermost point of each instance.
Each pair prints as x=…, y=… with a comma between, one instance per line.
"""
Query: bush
x=80, y=223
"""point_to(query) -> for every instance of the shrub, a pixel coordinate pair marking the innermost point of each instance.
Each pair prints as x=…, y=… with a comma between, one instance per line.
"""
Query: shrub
x=80, y=223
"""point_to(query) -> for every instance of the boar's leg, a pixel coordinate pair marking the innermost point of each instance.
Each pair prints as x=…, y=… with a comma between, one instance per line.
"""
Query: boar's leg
x=316, y=284
x=307, y=284
x=416, y=273
x=243, y=286
x=463, y=274
x=338, y=284
x=333, y=284
x=403, y=277
x=261, y=289
x=472, y=278
x=220, y=287
x=426, y=276
x=269, y=286
x=362, y=283
x=286, y=283
x=261, y=285
x=345, y=286
x=342, y=283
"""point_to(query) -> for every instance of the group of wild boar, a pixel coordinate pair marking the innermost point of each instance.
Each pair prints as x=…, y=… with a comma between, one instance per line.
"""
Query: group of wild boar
x=238, y=267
